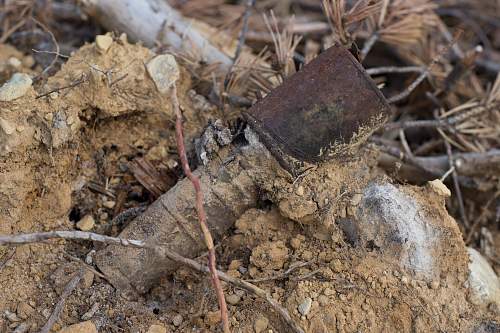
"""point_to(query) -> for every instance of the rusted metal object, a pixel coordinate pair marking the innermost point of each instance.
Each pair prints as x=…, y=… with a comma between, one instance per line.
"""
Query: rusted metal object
x=322, y=111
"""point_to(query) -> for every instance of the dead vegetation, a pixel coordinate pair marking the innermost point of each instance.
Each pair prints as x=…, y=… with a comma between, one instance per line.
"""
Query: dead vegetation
x=99, y=141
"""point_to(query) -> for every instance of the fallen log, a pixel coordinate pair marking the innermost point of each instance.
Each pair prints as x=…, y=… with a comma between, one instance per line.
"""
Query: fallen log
x=155, y=22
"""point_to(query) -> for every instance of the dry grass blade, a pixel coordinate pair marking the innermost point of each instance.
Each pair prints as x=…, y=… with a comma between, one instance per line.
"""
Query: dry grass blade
x=342, y=20
x=285, y=43
x=250, y=75
x=476, y=123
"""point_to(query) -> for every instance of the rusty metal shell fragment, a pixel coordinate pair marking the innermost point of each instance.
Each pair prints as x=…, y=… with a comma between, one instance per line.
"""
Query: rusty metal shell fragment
x=322, y=111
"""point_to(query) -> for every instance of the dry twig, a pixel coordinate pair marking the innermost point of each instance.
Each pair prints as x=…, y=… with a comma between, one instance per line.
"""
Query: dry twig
x=68, y=289
x=56, y=45
x=283, y=274
x=456, y=183
x=81, y=235
x=405, y=93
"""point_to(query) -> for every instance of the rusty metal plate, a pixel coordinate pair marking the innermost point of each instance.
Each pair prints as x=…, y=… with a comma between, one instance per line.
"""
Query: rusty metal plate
x=321, y=111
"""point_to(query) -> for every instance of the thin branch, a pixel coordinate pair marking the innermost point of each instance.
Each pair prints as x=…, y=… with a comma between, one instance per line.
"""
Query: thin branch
x=405, y=93
x=241, y=40
x=6, y=258
x=68, y=289
x=54, y=41
x=367, y=46
x=456, y=183
x=284, y=274
x=200, y=209
x=72, y=85
x=11, y=30
x=162, y=250
x=394, y=69
x=38, y=237
x=244, y=29
x=417, y=124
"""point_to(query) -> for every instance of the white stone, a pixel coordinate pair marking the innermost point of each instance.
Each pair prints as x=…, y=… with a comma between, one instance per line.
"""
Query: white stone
x=103, y=42
x=440, y=188
x=177, y=320
x=260, y=324
x=390, y=218
x=83, y=327
x=14, y=62
x=305, y=306
x=7, y=127
x=483, y=281
x=86, y=223
x=164, y=71
x=16, y=87
x=157, y=329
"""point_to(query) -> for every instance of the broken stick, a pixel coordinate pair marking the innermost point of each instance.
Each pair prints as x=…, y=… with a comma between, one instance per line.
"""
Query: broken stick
x=159, y=249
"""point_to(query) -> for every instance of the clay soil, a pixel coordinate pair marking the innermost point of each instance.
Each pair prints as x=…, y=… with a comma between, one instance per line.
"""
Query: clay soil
x=82, y=150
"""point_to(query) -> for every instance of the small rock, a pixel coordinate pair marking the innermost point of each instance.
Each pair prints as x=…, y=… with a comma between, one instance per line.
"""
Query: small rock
x=157, y=329
x=86, y=223
x=233, y=299
x=356, y=199
x=7, y=127
x=14, y=62
x=323, y=300
x=295, y=243
x=49, y=116
x=483, y=281
x=235, y=264
x=28, y=61
x=177, y=320
x=494, y=308
x=434, y=284
x=123, y=38
x=329, y=292
x=11, y=316
x=91, y=312
x=83, y=327
x=437, y=186
x=300, y=191
x=336, y=265
x=260, y=324
x=46, y=313
x=213, y=317
x=16, y=87
x=109, y=204
x=87, y=279
x=22, y=328
x=222, y=133
x=24, y=310
x=305, y=306
x=164, y=71
x=307, y=255
x=103, y=42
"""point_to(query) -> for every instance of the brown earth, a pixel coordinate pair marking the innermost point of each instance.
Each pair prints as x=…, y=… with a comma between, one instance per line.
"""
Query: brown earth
x=91, y=132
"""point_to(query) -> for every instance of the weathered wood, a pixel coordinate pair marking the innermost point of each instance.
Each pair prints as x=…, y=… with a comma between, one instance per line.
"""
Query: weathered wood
x=154, y=21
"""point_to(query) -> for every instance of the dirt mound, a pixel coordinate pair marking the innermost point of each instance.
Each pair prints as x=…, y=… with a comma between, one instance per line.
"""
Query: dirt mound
x=385, y=257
